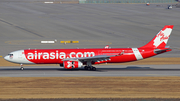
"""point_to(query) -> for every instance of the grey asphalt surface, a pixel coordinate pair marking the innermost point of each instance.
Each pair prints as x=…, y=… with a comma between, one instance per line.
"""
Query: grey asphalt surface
x=102, y=71
x=24, y=23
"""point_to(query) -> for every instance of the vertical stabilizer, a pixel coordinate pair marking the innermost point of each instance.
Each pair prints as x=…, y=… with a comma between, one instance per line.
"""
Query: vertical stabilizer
x=161, y=39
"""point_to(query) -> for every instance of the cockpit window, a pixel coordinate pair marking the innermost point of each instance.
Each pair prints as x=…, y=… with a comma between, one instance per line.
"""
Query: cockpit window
x=10, y=55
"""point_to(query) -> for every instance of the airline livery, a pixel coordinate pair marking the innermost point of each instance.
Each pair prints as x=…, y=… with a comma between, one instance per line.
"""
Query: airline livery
x=78, y=58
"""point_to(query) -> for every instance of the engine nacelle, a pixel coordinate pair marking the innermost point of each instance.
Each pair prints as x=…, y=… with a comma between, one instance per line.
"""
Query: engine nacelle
x=72, y=64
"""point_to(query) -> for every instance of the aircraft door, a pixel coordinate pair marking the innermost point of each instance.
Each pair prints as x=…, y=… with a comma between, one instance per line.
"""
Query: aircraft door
x=100, y=52
x=20, y=55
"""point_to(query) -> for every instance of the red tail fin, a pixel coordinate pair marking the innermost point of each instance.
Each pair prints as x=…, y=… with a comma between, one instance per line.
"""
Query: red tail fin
x=161, y=39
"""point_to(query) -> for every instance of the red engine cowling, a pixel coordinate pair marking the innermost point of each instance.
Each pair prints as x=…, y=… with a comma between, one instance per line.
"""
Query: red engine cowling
x=72, y=64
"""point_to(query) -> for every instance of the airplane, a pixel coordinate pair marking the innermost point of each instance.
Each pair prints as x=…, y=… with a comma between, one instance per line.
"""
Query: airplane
x=79, y=58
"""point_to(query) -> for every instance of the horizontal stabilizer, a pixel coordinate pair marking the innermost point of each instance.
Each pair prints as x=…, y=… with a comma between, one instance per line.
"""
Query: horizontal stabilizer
x=158, y=51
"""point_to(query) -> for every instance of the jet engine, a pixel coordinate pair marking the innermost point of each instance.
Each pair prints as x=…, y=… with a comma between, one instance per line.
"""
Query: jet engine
x=72, y=64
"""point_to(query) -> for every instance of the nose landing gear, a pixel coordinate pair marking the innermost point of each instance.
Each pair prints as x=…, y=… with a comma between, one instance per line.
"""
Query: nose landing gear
x=22, y=68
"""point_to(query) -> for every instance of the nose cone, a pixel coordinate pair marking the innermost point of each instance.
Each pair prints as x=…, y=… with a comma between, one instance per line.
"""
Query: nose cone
x=6, y=57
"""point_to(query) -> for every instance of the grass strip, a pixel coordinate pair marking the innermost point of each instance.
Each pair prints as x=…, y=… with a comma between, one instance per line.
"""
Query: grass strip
x=89, y=87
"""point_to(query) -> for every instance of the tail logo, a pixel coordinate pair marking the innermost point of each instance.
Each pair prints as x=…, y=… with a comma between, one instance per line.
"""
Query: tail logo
x=162, y=37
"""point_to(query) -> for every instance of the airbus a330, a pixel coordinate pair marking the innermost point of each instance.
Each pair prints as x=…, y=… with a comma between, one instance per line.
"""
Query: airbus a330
x=79, y=58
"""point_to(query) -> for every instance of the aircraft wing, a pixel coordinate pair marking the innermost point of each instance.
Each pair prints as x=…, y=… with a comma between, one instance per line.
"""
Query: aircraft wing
x=94, y=58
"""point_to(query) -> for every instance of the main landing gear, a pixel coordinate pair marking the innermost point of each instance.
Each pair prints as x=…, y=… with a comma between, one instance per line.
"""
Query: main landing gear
x=90, y=68
x=22, y=68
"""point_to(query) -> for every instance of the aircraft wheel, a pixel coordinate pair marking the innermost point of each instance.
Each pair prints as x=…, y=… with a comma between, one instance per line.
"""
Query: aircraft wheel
x=94, y=68
x=85, y=67
x=22, y=68
x=88, y=68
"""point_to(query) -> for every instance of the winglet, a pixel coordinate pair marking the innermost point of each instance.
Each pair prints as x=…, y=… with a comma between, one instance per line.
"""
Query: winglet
x=161, y=39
